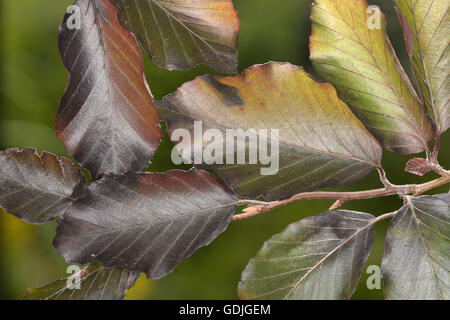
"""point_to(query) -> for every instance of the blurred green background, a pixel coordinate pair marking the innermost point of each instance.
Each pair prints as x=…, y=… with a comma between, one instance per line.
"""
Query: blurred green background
x=32, y=81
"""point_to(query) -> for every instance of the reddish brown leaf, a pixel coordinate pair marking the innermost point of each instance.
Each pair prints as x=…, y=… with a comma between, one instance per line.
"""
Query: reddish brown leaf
x=146, y=222
x=107, y=119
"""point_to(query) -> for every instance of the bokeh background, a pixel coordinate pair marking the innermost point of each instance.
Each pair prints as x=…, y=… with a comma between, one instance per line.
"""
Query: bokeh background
x=32, y=80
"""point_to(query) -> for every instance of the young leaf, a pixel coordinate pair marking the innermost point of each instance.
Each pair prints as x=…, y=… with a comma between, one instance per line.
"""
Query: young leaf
x=38, y=188
x=427, y=24
x=146, y=222
x=321, y=143
x=179, y=34
x=321, y=257
x=107, y=119
x=95, y=283
x=362, y=65
x=418, y=166
x=416, y=263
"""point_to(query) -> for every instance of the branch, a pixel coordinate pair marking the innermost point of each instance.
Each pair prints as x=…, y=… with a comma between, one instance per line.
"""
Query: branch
x=259, y=207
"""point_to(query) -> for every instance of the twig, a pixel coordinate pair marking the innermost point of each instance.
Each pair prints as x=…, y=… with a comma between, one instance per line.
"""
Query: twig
x=339, y=203
x=383, y=177
x=259, y=207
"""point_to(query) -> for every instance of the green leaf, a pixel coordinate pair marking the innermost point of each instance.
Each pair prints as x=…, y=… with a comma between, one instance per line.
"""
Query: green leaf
x=426, y=25
x=361, y=63
x=416, y=263
x=321, y=257
x=38, y=188
x=179, y=34
x=321, y=143
x=106, y=119
x=147, y=222
x=95, y=283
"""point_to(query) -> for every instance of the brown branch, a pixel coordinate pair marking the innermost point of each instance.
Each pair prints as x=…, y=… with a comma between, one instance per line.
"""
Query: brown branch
x=259, y=207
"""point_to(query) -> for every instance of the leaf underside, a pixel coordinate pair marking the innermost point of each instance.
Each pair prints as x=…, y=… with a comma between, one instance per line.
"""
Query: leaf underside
x=146, y=222
x=321, y=257
x=38, y=188
x=321, y=143
x=106, y=119
x=415, y=264
x=426, y=26
x=362, y=65
x=96, y=283
x=179, y=34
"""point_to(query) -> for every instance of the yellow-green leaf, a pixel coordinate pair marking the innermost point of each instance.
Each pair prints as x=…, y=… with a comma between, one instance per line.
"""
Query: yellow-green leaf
x=426, y=25
x=362, y=65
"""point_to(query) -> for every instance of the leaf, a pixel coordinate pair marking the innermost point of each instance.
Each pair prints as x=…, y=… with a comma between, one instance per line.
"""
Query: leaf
x=38, y=188
x=320, y=257
x=418, y=166
x=427, y=24
x=96, y=283
x=146, y=222
x=416, y=265
x=179, y=34
x=107, y=119
x=362, y=65
x=321, y=143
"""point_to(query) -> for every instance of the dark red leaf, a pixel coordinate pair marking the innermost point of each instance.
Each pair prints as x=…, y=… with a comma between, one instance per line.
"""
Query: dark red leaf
x=146, y=222
x=38, y=188
x=107, y=119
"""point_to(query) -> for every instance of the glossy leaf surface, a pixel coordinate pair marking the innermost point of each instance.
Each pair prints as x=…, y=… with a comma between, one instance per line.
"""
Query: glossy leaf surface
x=146, y=222
x=106, y=119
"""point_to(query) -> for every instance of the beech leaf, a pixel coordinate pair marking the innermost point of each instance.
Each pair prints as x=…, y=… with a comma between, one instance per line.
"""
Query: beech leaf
x=179, y=34
x=361, y=63
x=147, y=222
x=95, y=283
x=321, y=143
x=107, y=119
x=38, y=188
x=415, y=264
x=418, y=166
x=320, y=257
x=427, y=24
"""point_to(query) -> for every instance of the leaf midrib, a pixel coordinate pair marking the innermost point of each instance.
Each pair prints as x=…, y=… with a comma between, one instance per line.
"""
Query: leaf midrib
x=305, y=148
x=324, y=259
